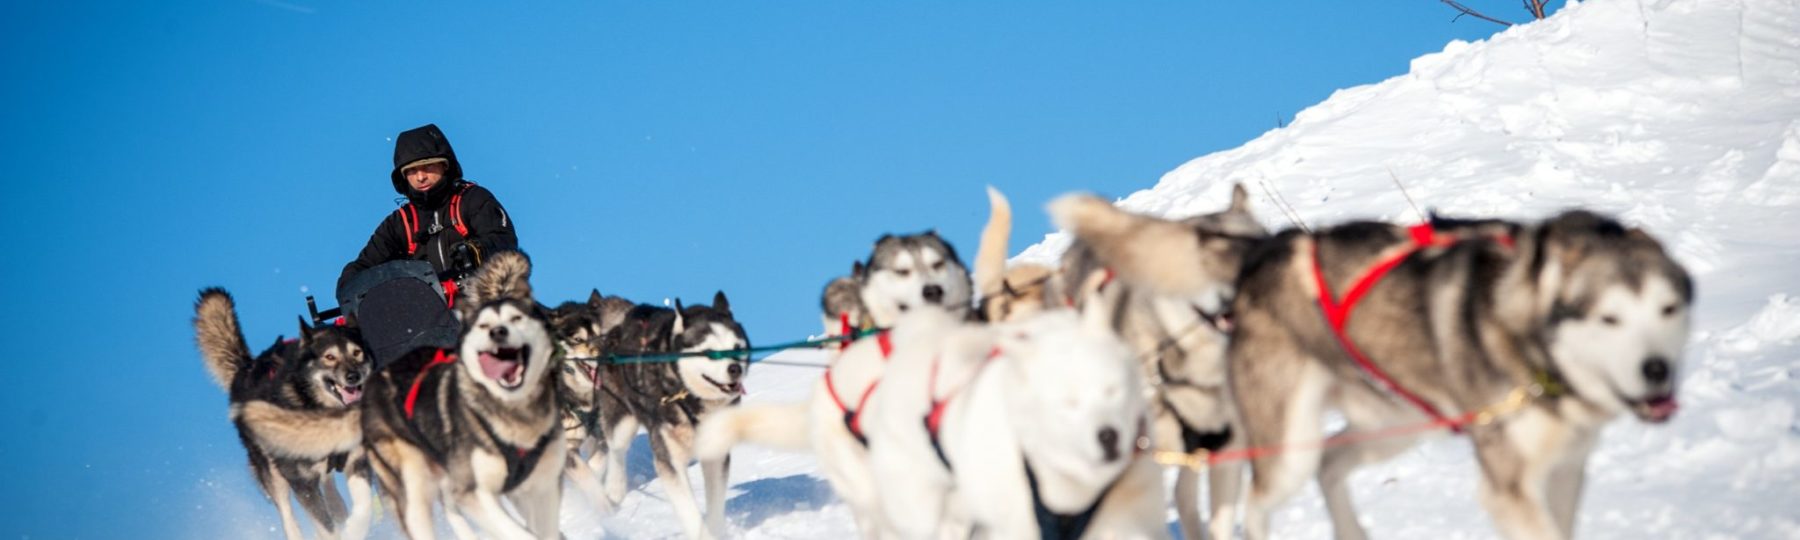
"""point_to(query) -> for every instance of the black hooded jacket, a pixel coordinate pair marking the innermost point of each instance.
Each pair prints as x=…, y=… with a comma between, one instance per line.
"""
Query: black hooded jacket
x=490, y=230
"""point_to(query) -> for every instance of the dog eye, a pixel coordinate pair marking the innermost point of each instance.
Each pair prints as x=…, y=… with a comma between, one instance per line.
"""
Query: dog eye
x=1669, y=310
x=330, y=357
x=517, y=318
x=903, y=272
x=937, y=265
x=1609, y=320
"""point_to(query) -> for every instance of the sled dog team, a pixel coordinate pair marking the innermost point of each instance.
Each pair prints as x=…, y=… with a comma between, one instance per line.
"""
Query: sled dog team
x=1041, y=412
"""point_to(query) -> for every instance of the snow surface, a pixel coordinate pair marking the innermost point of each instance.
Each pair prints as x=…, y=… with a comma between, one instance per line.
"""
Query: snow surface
x=1679, y=117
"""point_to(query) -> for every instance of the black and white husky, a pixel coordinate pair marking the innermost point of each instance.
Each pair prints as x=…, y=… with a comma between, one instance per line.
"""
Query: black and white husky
x=477, y=423
x=295, y=407
x=669, y=398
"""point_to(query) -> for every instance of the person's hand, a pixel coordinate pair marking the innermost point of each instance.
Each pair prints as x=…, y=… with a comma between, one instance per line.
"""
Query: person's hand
x=462, y=257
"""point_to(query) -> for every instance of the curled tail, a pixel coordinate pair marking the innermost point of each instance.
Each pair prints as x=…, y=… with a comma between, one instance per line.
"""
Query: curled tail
x=300, y=434
x=990, y=257
x=220, y=338
x=782, y=426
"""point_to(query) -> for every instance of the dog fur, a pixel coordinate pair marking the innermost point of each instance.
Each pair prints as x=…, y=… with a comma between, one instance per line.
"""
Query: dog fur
x=1577, y=299
x=484, y=425
x=1180, y=346
x=669, y=399
x=295, y=406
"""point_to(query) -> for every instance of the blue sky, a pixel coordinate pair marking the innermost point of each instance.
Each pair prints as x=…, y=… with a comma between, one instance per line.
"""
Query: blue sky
x=651, y=150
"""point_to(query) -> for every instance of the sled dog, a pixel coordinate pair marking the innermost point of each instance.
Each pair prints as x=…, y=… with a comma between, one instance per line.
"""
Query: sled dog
x=668, y=399
x=1032, y=428
x=1179, y=344
x=912, y=272
x=475, y=424
x=295, y=407
x=1574, y=320
x=579, y=328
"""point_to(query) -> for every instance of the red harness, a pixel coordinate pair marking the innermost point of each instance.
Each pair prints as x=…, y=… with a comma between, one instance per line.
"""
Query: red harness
x=1337, y=313
x=412, y=395
x=853, y=417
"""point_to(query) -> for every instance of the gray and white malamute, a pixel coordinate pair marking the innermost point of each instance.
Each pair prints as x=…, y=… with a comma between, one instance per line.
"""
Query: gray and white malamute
x=1572, y=321
x=478, y=423
x=295, y=407
x=668, y=400
x=1179, y=335
x=915, y=271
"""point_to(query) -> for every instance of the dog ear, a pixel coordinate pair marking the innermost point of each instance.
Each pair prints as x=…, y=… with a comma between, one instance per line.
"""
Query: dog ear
x=1152, y=252
x=858, y=271
x=305, y=332
x=595, y=300
x=720, y=304
x=1240, y=199
x=505, y=275
x=680, y=322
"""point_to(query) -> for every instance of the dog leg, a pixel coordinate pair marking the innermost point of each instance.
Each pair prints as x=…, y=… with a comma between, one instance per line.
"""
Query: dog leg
x=586, y=482
x=1224, y=485
x=312, y=498
x=715, y=474
x=1566, y=481
x=1187, y=504
x=277, y=490
x=672, y=470
x=417, y=492
x=609, y=458
x=1334, y=471
x=539, y=498
x=1292, y=388
x=459, y=525
x=356, y=478
x=483, y=507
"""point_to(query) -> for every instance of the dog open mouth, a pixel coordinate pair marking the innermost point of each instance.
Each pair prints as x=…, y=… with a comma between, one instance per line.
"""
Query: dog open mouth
x=1655, y=410
x=348, y=395
x=505, y=366
x=731, y=389
x=1221, y=321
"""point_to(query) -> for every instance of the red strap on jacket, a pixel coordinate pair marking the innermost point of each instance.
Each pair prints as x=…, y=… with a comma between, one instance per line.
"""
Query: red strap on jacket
x=409, y=216
x=412, y=395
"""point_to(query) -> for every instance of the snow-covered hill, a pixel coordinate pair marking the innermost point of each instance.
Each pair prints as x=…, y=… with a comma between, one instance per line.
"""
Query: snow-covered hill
x=1680, y=117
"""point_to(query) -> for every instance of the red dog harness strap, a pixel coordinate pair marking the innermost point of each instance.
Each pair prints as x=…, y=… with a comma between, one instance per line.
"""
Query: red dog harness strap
x=1337, y=313
x=935, y=418
x=409, y=217
x=412, y=395
x=853, y=417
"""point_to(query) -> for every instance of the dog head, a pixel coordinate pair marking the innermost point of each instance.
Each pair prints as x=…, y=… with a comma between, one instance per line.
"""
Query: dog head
x=918, y=271
x=1195, y=260
x=842, y=300
x=1077, y=400
x=711, y=328
x=576, y=328
x=506, y=344
x=332, y=362
x=1613, y=308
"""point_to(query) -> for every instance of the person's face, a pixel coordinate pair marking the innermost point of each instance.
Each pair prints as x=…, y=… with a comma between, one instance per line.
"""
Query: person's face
x=424, y=177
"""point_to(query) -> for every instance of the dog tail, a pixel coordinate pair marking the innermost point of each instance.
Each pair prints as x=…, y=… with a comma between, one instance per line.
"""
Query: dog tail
x=782, y=426
x=990, y=258
x=1153, y=252
x=300, y=434
x=220, y=338
x=505, y=275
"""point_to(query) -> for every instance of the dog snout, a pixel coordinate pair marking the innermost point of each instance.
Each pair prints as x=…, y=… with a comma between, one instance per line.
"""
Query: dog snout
x=354, y=377
x=933, y=293
x=1109, y=443
x=1656, y=370
x=498, y=333
x=735, y=370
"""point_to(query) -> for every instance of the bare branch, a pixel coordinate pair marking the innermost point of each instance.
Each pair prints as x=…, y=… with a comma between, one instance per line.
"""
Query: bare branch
x=1471, y=12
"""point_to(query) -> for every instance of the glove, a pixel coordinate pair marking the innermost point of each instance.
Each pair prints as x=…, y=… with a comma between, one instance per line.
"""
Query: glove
x=464, y=257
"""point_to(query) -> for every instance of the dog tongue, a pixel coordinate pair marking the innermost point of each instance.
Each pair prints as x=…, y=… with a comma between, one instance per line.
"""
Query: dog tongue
x=1662, y=409
x=495, y=368
x=351, y=394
